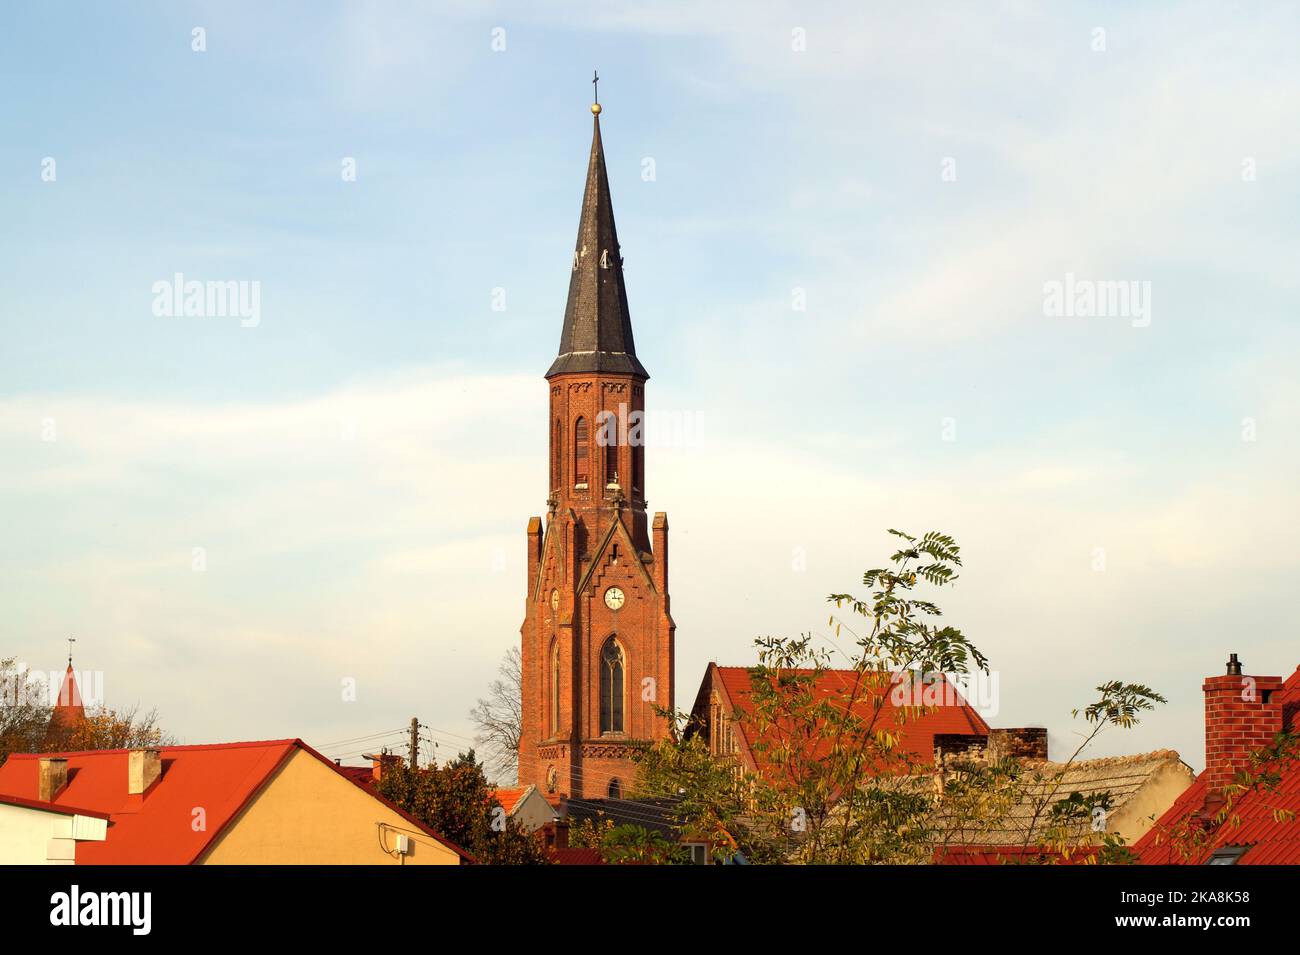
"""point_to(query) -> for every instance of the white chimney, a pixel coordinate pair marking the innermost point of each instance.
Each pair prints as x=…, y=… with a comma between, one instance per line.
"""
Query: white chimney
x=53, y=776
x=144, y=766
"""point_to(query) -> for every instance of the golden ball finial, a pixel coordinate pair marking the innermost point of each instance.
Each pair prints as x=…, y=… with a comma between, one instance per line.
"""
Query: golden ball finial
x=595, y=109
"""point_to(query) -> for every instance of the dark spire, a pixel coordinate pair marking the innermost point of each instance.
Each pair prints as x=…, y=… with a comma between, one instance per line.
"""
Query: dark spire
x=597, y=334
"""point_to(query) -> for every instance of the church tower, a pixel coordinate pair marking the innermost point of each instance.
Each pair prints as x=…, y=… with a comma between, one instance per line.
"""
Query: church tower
x=597, y=635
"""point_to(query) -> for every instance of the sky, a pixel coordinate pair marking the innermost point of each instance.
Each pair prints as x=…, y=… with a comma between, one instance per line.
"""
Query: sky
x=840, y=222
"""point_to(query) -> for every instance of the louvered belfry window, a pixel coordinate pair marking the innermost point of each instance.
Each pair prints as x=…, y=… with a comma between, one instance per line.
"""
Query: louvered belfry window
x=580, y=451
x=557, y=449
x=611, y=463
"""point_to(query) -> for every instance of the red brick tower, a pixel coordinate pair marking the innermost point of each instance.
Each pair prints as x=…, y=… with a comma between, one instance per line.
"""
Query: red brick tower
x=597, y=634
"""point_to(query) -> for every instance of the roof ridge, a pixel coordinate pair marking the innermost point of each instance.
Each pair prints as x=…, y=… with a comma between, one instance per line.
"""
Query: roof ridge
x=186, y=747
x=1155, y=755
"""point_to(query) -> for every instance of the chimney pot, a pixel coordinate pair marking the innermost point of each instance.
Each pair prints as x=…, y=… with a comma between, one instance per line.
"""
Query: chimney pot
x=1234, y=665
x=144, y=766
x=52, y=777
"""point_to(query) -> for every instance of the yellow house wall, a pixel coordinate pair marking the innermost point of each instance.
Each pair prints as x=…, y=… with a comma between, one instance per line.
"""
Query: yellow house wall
x=1139, y=812
x=310, y=815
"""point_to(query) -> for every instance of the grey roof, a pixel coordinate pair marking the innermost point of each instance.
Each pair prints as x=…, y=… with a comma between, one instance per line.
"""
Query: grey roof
x=597, y=334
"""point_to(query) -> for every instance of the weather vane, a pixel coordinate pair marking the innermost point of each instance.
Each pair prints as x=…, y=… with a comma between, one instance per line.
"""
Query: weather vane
x=71, y=641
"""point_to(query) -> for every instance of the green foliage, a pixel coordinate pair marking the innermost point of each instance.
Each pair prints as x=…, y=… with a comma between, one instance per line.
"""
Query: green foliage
x=456, y=802
x=627, y=844
x=711, y=795
x=1121, y=704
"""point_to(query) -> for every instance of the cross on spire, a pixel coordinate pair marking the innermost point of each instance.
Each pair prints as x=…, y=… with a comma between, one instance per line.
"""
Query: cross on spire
x=595, y=87
x=71, y=641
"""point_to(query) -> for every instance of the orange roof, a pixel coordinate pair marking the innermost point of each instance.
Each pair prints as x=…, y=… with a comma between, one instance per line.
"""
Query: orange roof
x=509, y=798
x=157, y=829
x=916, y=735
x=50, y=807
x=1272, y=841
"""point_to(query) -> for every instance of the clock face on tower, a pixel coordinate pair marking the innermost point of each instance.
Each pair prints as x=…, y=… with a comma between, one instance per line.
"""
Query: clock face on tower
x=614, y=598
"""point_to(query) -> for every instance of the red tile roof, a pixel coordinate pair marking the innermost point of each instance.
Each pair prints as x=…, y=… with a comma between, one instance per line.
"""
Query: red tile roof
x=509, y=798
x=1272, y=841
x=576, y=856
x=361, y=775
x=916, y=735
x=157, y=829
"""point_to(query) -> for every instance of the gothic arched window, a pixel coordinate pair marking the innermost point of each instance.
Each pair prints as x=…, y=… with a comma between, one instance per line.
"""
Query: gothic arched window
x=580, y=451
x=555, y=688
x=611, y=687
x=611, y=462
x=637, y=465
x=557, y=445
x=615, y=790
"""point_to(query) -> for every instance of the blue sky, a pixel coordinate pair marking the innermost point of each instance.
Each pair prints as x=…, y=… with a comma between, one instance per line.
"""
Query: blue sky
x=359, y=467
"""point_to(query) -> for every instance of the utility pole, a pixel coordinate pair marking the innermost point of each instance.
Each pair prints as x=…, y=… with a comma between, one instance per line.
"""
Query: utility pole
x=415, y=742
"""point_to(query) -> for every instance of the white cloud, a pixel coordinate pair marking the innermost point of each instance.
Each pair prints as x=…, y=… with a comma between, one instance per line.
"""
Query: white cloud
x=396, y=558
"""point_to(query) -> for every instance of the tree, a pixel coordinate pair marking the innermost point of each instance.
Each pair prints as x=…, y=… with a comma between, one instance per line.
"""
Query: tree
x=26, y=726
x=456, y=802
x=24, y=711
x=627, y=843
x=498, y=718
x=105, y=728
x=636, y=844
x=834, y=783
x=711, y=796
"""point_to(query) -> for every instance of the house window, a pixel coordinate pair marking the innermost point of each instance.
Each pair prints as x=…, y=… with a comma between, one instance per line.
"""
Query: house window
x=615, y=790
x=1229, y=855
x=699, y=852
x=555, y=688
x=611, y=687
x=580, y=451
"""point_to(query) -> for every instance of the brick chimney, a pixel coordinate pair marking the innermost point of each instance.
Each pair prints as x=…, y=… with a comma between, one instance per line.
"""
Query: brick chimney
x=52, y=776
x=1240, y=718
x=555, y=834
x=143, y=766
x=1020, y=742
x=382, y=763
